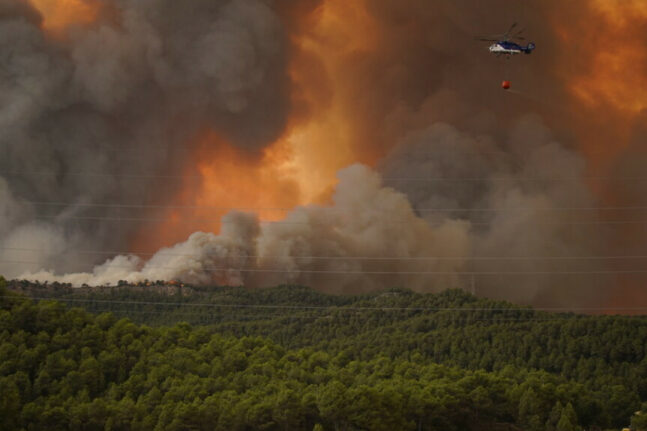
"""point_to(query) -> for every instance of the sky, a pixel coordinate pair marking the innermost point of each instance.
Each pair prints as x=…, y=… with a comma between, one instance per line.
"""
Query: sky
x=347, y=146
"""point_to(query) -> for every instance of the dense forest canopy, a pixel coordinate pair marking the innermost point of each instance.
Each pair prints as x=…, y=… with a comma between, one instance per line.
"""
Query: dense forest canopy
x=291, y=358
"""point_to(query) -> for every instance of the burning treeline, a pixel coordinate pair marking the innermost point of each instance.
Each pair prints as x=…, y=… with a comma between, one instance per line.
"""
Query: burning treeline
x=131, y=125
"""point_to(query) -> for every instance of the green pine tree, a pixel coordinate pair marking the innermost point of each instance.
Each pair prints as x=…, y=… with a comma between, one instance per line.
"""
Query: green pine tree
x=568, y=419
x=554, y=417
x=639, y=419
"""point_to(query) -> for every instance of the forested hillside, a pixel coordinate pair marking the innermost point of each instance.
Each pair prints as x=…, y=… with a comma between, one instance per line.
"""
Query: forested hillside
x=291, y=358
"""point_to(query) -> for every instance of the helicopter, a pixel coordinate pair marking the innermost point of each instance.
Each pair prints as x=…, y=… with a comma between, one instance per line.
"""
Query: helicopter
x=511, y=48
x=505, y=45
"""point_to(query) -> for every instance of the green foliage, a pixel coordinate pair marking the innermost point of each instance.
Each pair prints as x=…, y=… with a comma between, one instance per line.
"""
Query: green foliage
x=349, y=365
x=568, y=419
x=639, y=419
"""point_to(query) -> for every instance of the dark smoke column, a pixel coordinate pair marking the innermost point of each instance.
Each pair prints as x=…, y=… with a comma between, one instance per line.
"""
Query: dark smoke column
x=101, y=113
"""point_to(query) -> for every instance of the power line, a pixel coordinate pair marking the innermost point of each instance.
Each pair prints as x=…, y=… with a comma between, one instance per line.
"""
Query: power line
x=153, y=206
x=513, y=178
x=275, y=306
x=291, y=307
x=190, y=221
x=319, y=257
x=499, y=178
x=214, y=319
x=99, y=175
x=449, y=209
x=349, y=272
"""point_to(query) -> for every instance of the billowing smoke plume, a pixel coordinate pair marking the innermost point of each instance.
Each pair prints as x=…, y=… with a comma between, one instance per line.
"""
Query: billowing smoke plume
x=470, y=186
x=333, y=248
x=95, y=114
x=520, y=196
x=470, y=198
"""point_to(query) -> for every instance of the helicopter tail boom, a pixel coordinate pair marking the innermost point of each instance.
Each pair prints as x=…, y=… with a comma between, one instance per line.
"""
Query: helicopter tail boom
x=529, y=48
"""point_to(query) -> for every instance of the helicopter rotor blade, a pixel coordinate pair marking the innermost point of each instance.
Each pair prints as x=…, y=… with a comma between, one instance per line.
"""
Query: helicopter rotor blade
x=506, y=35
x=514, y=24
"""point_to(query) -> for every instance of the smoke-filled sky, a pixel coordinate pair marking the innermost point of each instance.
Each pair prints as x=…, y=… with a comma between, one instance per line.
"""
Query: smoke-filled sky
x=349, y=146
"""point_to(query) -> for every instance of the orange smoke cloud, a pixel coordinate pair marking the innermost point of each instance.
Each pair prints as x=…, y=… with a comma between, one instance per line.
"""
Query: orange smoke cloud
x=299, y=168
x=617, y=75
x=232, y=179
x=603, y=64
x=59, y=14
x=609, y=90
x=322, y=136
x=324, y=133
x=219, y=178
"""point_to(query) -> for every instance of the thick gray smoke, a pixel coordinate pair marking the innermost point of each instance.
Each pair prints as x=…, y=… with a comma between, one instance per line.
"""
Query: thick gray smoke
x=520, y=197
x=466, y=198
x=359, y=243
x=92, y=117
x=476, y=188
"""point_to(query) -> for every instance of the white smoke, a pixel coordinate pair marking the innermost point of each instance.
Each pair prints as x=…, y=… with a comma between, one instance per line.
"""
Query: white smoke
x=366, y=221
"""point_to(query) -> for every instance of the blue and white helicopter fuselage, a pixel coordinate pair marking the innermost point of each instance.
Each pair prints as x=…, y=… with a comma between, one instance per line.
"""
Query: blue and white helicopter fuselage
x=510, y=48
x=504, y=45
